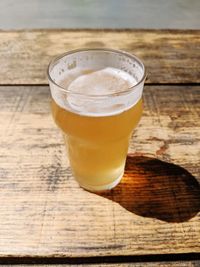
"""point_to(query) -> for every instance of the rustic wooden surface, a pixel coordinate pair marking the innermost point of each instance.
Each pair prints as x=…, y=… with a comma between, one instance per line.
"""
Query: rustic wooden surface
x=170, y=56
x=155, y=210
x=142, y=264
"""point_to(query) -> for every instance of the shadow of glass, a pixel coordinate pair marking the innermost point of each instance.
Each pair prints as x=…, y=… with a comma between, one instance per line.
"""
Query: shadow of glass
x=157, y=189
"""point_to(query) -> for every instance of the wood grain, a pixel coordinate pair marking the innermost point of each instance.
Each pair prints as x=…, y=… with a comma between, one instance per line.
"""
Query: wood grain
x=43, y=212
x=169, y=56
x=150, y=264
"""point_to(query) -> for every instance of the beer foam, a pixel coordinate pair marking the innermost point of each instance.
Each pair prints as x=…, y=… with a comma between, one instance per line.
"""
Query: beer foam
x=89, y=92
x=102, y=82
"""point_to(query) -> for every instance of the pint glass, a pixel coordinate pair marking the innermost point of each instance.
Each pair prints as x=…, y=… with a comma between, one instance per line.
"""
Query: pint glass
x=96, y=102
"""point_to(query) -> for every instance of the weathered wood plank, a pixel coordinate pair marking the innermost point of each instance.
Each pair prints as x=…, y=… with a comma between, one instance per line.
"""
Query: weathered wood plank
x=141, y=264
x=155, y=209
x=170, y=56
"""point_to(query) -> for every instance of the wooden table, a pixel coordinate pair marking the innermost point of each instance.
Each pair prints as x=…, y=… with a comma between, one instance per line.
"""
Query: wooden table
x=153, y=215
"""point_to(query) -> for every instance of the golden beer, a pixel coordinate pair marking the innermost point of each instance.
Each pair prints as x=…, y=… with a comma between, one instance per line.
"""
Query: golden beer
x=96, y=102
x=97, y=146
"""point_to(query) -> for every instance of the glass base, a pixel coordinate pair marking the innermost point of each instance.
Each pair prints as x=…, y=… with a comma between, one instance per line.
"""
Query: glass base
x=97, y=188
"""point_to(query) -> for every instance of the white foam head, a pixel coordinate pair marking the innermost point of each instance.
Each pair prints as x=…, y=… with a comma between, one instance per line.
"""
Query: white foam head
x=91, y=88
x=102, y=82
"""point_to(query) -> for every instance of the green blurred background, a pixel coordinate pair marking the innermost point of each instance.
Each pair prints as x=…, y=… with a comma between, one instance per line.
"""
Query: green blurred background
x=147, y=14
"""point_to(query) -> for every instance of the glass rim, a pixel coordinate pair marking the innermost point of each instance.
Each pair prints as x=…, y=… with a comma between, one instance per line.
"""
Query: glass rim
x=56, y=58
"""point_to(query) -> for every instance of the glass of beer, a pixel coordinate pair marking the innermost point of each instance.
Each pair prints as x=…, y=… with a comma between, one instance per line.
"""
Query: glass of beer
x=96, y=102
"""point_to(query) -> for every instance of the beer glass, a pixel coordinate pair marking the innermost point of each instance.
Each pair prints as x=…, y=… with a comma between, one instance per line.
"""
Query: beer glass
x=96, y=111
